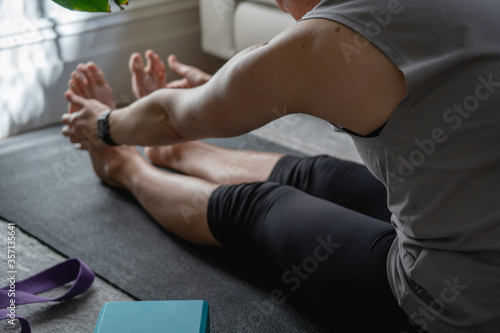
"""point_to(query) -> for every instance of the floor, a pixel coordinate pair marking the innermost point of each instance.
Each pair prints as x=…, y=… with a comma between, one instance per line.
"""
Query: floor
x=300, y=132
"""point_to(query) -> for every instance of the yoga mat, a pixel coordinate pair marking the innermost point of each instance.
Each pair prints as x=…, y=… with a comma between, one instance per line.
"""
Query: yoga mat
x=49, y=190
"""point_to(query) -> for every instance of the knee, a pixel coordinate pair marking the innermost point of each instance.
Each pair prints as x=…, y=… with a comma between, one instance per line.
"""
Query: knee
x=235, y=211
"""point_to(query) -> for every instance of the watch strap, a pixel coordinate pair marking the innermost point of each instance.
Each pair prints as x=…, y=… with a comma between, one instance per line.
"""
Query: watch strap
x=103, y=130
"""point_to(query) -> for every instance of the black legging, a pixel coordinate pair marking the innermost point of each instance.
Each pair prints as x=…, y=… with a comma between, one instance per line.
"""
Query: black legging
x=324, y=224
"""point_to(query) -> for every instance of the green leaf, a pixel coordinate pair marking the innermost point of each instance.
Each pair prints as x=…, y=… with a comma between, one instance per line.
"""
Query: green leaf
x=85, y=5
x=90, y=5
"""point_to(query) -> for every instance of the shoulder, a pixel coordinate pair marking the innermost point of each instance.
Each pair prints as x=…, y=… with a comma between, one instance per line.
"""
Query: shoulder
x=343, y=78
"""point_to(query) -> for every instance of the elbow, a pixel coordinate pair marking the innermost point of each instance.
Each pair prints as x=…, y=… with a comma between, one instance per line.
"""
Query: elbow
x=165, y=120
x=169, y=129
x=173, y=134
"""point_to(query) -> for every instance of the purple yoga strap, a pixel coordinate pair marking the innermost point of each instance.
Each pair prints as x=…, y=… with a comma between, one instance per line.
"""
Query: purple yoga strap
x=24, y=292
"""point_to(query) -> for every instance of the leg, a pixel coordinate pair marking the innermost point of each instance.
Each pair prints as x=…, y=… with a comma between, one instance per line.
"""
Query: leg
x=178, y=203
x=215, y=164
x=342, y=182
x=345, y=183
x=334, y=256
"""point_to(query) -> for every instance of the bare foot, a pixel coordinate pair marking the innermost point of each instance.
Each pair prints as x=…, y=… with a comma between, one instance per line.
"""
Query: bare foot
x=113, y=164
x=88, y=81
x=215, y=164
x=147, y=79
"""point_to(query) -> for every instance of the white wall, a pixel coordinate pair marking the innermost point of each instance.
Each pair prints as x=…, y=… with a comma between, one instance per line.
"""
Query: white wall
x=31, y=90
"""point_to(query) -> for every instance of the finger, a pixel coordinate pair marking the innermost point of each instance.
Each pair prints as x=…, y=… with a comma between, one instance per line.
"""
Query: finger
x=68, y=131
x=71, y=118
x=66, y=119
x=73, y=135
x=65, y=130
x=80, y=146
x=179, y=84
x=71, y=106
x=74, y=98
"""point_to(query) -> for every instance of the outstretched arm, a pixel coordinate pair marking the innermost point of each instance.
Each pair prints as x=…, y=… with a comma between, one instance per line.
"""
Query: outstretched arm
x=302, y=70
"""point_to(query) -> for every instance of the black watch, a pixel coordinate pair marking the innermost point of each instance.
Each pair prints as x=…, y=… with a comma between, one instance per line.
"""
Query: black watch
x=103, y=129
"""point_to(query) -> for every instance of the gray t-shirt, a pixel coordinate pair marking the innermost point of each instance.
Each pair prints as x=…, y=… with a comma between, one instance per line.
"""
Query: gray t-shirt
x=439, y=153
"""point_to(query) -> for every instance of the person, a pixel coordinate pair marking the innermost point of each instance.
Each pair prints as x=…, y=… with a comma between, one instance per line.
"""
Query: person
x=409, y=241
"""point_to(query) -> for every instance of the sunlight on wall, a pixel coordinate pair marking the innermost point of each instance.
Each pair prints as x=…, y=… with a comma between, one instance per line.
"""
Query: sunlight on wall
x=30, y=69
x=29, y=59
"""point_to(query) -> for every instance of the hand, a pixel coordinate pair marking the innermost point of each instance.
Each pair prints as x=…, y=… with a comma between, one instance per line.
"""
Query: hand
x=191, y=76
x=81, y=126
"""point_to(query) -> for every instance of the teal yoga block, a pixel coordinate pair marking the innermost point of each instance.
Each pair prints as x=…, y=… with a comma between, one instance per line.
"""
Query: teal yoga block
x=154, y=316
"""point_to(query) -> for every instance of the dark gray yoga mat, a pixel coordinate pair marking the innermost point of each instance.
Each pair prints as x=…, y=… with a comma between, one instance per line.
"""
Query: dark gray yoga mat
x=49, y=190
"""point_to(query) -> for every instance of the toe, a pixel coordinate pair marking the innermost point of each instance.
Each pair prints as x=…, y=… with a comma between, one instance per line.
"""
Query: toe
x=75, y=87
x=177, y=67
x=155, y=62
x=172, y=62
x=135, y=63
x=162, y=72
x=82, y=78
x=136, y=66
x=89, y=76
x=81, y=84
x=99, y=76
x=162, y=67
x=79, y=69
x=150, y=61
x=149, y=54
